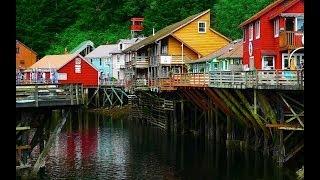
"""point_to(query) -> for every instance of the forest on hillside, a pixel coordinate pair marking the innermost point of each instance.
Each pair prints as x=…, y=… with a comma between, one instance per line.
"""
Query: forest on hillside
x=50, y=26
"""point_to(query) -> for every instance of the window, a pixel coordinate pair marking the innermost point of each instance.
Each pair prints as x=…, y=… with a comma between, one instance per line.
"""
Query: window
x=17, y=50
x=251, y=32
x=201, y=27
x=22, y=62
x=268, y=62
x=118, y=58
x=120, y=46
x=257, y=29
x=276, y=28
x=298, y=57
x=164, y=49
x=244, y=35
x=118, y=75
x=100, y=62
x=300, y=23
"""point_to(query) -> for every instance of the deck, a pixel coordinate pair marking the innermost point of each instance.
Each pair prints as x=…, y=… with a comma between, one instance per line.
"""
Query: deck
x=48, y=95
x=259, y=79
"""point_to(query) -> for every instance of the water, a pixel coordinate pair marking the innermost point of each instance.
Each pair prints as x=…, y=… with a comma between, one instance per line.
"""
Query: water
x=96, y=147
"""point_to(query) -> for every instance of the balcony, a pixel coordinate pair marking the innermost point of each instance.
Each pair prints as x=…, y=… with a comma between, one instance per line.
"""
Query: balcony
x=140, y=62
x=174, y=59
x=289, y=40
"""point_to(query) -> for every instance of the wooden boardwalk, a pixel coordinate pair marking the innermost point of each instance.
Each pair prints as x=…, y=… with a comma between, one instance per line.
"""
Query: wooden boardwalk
x=259, y=79
x=48, y=95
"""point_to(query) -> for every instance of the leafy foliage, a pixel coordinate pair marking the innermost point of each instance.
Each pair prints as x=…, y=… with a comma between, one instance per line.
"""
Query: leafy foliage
x=50, y=26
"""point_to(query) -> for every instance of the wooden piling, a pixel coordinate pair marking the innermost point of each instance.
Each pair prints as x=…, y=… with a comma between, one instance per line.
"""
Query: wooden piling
x=217, y=125
x=182, y=117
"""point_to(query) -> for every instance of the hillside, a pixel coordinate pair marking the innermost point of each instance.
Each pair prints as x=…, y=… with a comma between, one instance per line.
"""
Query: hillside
x=50, y=26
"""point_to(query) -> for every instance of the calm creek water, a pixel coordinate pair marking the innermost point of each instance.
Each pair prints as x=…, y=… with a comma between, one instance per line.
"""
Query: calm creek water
x=96, y=147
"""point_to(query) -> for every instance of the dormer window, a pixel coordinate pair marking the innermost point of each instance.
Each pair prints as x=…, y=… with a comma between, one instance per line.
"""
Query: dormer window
x=120, y=46
x=201, y=27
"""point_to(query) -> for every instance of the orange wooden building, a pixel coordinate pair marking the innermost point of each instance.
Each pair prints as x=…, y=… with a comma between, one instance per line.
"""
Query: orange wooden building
x=25, y=56
x=166, y=51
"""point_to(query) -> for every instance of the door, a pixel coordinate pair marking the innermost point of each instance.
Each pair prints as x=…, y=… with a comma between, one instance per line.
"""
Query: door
x=251, y=63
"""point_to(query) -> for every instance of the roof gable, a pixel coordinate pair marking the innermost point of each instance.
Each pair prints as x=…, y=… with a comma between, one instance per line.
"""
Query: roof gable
x=283, y=8
x=19, y=42
x=262, y=12
x=81, y=47
x=236, y=49
x=102, y=51
x=165, y=32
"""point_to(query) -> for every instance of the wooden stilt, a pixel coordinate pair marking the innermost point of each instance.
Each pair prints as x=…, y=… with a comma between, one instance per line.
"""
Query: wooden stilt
x=182, y=117
x=217, y=125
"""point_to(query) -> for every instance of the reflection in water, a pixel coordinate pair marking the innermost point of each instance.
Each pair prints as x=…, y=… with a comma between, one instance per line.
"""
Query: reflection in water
x=92, y=146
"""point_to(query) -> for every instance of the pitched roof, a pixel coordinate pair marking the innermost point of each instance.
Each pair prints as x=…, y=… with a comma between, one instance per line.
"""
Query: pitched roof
x=81, y=47
x=164, y=32
x=260, y=13
x=235, y=52
x=222, y=51
x=53, y=61
x=284, y=8
x=102, y=51
x=19, y=42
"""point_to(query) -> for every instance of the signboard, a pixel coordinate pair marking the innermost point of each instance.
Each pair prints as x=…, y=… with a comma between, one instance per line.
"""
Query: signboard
x=165, y=59
x=62, y=76
x=250, y=48
x=77, y=66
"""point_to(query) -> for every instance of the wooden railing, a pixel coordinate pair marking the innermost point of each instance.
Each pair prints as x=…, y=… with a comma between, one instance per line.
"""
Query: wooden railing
x=191, y=79
x=260, y=79
x=176, y=59
x=141, y=61
x=290, y=39
x=45, y=95
x=111, y=82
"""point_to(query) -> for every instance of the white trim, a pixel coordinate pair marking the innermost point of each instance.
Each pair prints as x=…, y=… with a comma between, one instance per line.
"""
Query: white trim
x=257, y=29
x=296, y=23
x=286, y=54
x=273, y=62
x=251, y=32
x=205, y=26
x=276, y=28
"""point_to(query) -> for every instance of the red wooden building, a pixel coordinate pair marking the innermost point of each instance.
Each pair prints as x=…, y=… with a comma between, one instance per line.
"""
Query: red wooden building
x=71, y=68
x=271, y=34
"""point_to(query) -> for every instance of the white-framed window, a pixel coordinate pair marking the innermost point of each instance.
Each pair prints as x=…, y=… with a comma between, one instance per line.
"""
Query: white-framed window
x=202, y=27
x=299, y=24
x=268, y=62
x=276, y=28
x=244, y=35
x=257, y=29
x=250, y=32
x=298, y=58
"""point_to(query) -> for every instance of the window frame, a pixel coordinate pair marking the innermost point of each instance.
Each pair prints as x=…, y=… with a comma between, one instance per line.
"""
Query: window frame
x=276, y=28
x=296, y=23
x=273, y=62
x=257, y=29
x=244, y=34
x=205, y=26
x=251, y=32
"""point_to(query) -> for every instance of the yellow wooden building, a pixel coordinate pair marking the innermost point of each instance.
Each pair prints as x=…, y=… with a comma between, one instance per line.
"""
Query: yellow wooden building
x=167, y=50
